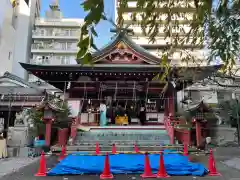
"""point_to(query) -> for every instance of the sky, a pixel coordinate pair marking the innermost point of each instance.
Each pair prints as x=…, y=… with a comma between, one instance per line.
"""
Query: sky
x=72, y=9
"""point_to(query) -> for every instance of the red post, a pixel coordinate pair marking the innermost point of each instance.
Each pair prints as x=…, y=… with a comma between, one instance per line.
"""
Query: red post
x=48, y=123
x=198, y=133
x=62, y=136
x=75, y=123
x=171, y=105
x=187, y=137
x=171, y=134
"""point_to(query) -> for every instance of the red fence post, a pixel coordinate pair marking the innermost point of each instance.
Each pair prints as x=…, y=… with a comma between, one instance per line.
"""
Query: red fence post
x=75, y=123
x=62, y=136
x=187, y=137
x=198, y=133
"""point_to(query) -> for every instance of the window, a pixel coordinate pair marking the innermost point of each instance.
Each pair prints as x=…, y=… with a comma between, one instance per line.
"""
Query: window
x=65, y=60
x=46, y=60
x=42, y=32
x=9, y=55
x=69, y=45
x=49, y=32
x=14, y=18
x=63, y=46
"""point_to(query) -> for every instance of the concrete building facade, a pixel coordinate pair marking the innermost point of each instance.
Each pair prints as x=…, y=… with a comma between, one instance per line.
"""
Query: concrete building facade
x=55, y=39
x=211, y=93
x=7, y=35
x=16, y=23
x=185, y=11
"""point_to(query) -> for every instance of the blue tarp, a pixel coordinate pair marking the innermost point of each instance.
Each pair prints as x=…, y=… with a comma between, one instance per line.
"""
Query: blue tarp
x=175, y=164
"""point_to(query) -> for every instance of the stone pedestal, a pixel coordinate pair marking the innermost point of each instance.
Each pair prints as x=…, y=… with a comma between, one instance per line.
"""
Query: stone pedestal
x=18, y=136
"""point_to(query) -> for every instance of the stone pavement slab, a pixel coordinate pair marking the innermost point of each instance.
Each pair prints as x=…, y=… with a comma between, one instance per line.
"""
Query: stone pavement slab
x=10, y=165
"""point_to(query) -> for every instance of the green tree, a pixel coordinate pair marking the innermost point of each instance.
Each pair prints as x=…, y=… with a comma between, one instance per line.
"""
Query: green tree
x=230, y=111
x=215, y=24
x=61, y=117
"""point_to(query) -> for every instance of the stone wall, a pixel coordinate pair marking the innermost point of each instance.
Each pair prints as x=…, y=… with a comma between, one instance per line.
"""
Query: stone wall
x=223, y=135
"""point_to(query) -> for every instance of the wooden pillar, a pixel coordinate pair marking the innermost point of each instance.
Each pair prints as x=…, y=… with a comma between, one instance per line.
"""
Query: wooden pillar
x=198, y=133
x=48, y=130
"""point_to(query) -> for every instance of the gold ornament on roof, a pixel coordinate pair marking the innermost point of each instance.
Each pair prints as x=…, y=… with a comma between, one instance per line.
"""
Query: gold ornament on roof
x=121, y=45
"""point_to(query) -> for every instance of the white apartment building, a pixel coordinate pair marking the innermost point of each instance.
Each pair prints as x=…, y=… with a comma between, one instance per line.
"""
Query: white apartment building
x=186, y=10
x=54, y=39
x=7, y=36
x=210, y=93
x=16, y=23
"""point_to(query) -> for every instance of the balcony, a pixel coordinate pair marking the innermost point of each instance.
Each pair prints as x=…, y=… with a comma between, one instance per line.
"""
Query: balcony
x=66, y=22
x=51, y=60
x=40, y=61
x=66, y=35
x=52, y=49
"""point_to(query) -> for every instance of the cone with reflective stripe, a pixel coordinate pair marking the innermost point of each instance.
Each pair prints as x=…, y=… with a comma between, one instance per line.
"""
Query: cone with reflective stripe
x=114, y=149
x=97, y=150
x=42, y=171
x=212, y=166
x=136, y=148
x=62, y=154
x=147, y=169
x=162, y=171
x=106, y=170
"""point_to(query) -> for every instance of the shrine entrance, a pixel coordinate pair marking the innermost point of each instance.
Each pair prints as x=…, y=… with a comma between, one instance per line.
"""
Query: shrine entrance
x=124, y=101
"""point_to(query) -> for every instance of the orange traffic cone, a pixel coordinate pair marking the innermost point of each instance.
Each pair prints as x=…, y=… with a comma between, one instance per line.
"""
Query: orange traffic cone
x=106, y=171
x=147, y=169
x=97, y=151
x=185, y=149
x=162, y=171
x=212, y=166
x=42, y=171
x=136, y=148
x=114, y=149
x=62, y=154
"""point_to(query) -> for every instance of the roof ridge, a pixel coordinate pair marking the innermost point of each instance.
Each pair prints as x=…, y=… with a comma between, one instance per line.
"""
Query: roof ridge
x=19, y=79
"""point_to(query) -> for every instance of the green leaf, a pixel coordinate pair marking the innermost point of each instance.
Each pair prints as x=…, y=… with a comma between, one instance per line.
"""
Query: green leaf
x=84, y=43
x=94, y=32
x=81, y=53
x=87, y=58
x=93, y=44
x=87, y=5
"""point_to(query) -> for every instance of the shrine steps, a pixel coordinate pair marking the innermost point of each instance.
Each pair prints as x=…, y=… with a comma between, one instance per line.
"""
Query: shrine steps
x=147, y=138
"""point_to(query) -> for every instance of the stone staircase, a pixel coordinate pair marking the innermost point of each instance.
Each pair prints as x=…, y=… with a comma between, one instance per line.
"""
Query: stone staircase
x=124, y=139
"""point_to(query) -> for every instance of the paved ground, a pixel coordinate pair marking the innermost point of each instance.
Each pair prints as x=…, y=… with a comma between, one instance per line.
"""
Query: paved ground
x=10, y=165
x=221, y=155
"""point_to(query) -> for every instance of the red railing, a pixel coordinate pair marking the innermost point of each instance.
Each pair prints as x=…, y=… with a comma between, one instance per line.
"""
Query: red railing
x=183, y=136
x=169, y=127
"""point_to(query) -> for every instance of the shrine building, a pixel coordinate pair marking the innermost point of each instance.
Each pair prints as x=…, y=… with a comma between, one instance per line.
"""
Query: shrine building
x=122, y=73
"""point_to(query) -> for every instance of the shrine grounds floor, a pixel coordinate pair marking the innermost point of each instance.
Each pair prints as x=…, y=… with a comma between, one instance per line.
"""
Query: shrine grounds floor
x=223, y=156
